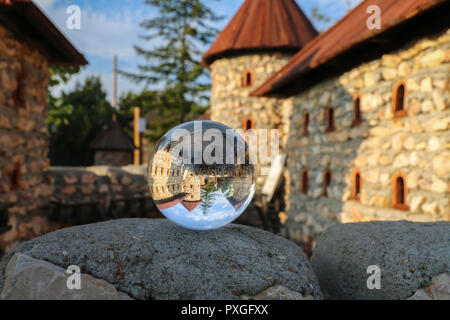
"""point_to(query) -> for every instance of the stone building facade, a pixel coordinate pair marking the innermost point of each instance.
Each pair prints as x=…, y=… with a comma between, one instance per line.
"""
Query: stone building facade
x=364, y=117
x=233, y=106
x=376, y=150
x=24, y=78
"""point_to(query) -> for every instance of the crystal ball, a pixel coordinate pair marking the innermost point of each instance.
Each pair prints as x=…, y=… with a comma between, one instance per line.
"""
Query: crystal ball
x=200, y=176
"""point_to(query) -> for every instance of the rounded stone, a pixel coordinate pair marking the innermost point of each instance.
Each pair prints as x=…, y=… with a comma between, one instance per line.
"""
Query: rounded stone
x=156, y=259
x=408, y=254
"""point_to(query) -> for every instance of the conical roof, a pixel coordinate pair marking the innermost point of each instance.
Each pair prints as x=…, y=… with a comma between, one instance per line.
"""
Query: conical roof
x=190, y=205
x=262, y=25
x=113, y=138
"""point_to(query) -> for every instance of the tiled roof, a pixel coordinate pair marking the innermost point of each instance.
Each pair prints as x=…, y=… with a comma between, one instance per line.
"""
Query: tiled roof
x=262, y=25
x=348, y=33
x=25, y=18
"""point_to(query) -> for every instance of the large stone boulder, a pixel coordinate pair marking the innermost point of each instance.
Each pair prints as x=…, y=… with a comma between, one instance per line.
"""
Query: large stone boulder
x=32, y=279
x=408, y=255
x=156, y=259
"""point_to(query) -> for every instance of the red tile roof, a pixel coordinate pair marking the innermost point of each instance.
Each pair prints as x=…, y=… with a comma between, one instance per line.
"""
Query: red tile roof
x=190, y=205
x=263, y=25
x=344, y=35
x=25, y=18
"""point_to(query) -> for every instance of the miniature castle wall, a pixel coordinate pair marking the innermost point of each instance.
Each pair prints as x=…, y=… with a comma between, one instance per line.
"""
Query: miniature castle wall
x=24, y=76
x=231, y=103
x=416, y=145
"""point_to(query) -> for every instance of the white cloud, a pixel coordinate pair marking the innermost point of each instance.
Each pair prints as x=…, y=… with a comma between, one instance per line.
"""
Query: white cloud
x=101, y=35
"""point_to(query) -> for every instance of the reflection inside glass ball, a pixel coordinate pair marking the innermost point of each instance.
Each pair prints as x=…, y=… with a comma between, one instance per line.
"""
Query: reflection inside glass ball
x=199, y=175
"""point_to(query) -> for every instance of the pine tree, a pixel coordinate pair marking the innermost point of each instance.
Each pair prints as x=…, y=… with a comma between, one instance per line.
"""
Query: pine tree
x=178, y=35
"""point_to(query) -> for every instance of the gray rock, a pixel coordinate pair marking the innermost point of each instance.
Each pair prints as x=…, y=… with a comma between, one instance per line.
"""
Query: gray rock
x=408, y=254
x=156, y=259
x=32, y=279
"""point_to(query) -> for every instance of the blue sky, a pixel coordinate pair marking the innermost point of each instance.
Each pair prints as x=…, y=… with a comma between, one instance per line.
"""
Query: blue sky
x=111, y=27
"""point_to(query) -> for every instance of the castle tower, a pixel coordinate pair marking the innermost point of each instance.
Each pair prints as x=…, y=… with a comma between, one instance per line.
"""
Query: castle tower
x=257, y=42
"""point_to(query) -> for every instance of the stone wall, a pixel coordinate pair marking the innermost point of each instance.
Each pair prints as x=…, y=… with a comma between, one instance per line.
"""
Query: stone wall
x=113, y=158
x=85, y=195
x=24, y=76
x=415, y=145
x=230, y=100
x=92, y=194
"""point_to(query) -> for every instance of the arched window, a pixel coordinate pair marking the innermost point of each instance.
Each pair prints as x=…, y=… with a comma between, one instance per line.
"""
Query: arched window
x=248, y=124
x=305, y=181
x=400, y=192
x=357, y=117
x=329, y=116
x=14, y=177
x=248, y=78
x=305, y=123
x=357, y=182
x=326, y=182
x=399, y=99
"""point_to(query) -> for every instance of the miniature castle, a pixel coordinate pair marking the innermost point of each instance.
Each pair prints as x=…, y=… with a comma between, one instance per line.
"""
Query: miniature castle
x=363, y=113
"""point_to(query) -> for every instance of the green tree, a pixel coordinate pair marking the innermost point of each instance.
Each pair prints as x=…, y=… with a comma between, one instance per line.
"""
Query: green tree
x=59, y=113
x=75, y=119
x=90, y=113
x=208, y=195
x=179, y=34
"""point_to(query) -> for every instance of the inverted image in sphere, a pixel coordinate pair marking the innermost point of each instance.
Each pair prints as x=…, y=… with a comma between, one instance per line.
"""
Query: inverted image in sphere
x=199, y=175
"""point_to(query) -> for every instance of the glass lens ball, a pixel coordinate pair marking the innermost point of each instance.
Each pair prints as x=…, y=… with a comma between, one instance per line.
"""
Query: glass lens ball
x=199, y=175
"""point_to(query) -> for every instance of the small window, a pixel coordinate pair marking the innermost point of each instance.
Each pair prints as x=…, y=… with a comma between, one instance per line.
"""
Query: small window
x=357, y=117
x=329, y=116
x=357, y=185
x=399, y=99
x=248, y=124
x=248, y=79
x=326, y=182
x=400, y=192
x=305, y=182
x=305, y=123
x=14, y=178
x=18, y=94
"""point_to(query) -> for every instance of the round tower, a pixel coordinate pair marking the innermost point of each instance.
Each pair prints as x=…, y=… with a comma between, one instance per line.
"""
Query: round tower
x=258, y=41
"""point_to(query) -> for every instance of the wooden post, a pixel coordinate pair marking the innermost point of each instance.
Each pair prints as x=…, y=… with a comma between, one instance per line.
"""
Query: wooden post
x=114, y=102
x=137, y=136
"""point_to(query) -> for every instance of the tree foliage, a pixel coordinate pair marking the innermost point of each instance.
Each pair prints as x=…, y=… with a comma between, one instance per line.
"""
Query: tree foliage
x=178, y=36
x=86, y=112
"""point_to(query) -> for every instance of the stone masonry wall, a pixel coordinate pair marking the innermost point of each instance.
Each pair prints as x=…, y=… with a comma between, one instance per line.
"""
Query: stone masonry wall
x=416, y=145
x=92, y=194
x=230, y=100
x=24, y=76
